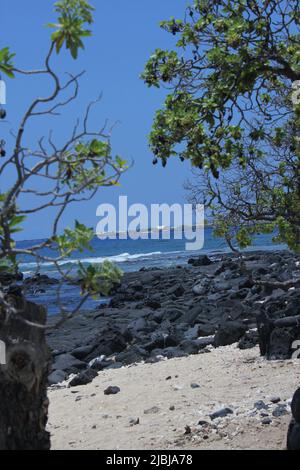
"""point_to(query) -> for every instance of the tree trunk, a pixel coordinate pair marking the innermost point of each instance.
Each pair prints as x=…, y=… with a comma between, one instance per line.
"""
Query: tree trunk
x=23, y=378
x=265, y=328
x=276, y=336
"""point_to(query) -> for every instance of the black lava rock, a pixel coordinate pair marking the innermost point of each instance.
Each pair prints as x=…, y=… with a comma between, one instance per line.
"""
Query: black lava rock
x=260, y=405
x=82, y=352
x=200, y=261
x=229, y=333
x=112, y=390
x=110, y=341
x=280, y=410
x=83, y=378
x=40, y=279
x=221, y=413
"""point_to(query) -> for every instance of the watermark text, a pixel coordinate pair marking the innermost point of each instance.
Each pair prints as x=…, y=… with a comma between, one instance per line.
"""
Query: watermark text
x=160, y=221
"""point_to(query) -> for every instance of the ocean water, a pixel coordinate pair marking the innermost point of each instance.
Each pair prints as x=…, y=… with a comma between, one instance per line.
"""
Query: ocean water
x=129, y=255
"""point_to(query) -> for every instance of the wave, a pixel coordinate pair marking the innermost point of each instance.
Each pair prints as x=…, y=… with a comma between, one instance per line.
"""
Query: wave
x=120, y=258
x=126, y=258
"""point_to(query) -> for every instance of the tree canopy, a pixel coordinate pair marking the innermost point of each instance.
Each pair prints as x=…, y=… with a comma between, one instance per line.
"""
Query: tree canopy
x=233, y=111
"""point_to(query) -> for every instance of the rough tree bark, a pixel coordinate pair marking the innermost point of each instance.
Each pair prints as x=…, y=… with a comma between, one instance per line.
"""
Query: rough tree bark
x=23, y=379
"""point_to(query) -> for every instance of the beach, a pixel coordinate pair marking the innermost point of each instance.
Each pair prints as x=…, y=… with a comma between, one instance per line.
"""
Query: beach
x=161, y=399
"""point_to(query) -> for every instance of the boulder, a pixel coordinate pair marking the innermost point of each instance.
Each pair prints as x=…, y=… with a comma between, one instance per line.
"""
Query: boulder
x=82, y=352
x=280, y=410
x=138, y=325
x=133, y=355
x=222, y=413
x=190, y=317
x=109, y=341
x=68, y=363
x=206, y=329
x=202, y=260
x=161, y=341
x=40, y=279
x=176, y=290
x=227, y=265
x=57, y=377
x=112, y=390
x=261, y=405
x=191, y=346
x=83, y=378
x=202, y=287
x=229, y=332
x=173, y=314
x=205, y=341
x=192, y=332
x=100, y=363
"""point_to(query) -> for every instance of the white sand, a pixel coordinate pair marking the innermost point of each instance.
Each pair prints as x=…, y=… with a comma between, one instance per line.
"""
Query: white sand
x=227, y=376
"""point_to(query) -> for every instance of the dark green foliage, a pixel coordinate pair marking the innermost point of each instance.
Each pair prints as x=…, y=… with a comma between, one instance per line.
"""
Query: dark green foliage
x=232, y=109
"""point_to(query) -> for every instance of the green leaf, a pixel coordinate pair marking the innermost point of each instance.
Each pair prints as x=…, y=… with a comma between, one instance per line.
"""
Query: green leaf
x=70, y=28
x=98, y=147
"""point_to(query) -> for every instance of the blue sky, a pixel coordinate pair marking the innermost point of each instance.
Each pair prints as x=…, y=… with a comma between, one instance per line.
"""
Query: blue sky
x=125, y=34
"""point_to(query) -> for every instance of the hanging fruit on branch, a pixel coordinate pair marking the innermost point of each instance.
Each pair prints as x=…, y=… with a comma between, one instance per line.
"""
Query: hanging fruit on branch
x=2, y=150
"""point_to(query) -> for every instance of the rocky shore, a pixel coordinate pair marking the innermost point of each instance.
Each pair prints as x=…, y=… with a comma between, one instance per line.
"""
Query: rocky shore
x=184, y=310
x=201, y=355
